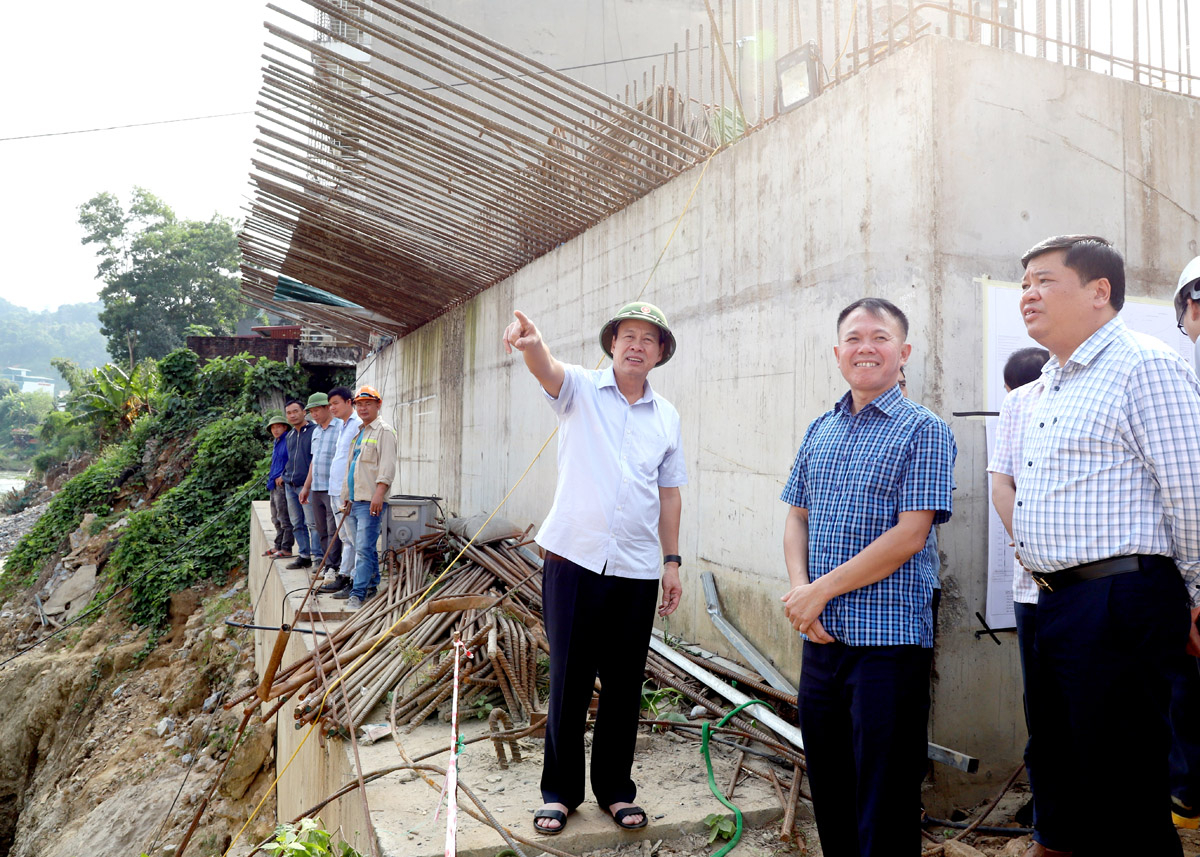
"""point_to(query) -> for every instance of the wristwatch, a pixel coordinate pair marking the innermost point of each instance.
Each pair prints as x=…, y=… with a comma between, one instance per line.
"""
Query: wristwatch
x=673, y=557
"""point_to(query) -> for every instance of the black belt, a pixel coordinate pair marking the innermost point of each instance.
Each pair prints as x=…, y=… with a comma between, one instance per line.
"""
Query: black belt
x=1056, y=580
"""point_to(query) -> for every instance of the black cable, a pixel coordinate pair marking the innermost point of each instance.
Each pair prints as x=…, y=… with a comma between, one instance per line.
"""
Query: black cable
x=92, y=610
x=371, y=95
x=930, y=821
x=121, y=127
x=233, y=624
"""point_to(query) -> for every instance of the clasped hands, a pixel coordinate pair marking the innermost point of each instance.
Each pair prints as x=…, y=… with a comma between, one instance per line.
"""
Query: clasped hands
x=803, y=606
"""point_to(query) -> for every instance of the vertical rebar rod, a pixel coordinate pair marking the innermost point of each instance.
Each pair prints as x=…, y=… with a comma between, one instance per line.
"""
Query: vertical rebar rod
x=760, y=56
x=1137, y=38
x=1112, y=50
x=1058, y=30
x=687, y=73
x=1040, y=24
x=674, y=93
x=854, y=29
x=778, y=44
x=718, y=35
x=1162, y=43
x=837, y=40
x=891, y=27
x=1187, y=27
x=870, y=32
x=1179, y=44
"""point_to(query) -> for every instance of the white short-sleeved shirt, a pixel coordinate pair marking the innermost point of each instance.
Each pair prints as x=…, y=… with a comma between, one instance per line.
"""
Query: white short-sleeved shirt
x=612, y=459
x=1006, y=459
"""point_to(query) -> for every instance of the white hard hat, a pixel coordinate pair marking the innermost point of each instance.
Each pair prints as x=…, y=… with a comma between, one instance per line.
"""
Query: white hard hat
x=1189, y=286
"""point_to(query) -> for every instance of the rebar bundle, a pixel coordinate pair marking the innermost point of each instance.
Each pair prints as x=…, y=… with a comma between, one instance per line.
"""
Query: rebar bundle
x=491, y=599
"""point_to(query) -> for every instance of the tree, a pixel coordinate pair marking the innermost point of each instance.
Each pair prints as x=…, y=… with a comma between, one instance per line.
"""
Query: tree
x=161, y=274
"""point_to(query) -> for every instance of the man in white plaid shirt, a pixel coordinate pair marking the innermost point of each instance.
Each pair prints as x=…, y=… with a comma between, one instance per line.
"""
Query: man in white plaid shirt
x=1107, y=520
x=1022, y=380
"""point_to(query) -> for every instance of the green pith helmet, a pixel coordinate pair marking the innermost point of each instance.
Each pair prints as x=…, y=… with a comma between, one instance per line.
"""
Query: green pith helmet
x=274, y=417
x=641, y=312
x=317, y=400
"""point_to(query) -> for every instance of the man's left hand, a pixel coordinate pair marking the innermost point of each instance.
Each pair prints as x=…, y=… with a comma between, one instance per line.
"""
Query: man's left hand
x=1193, y=646
x=377, y=499
x=803, y=606
x=672, y=589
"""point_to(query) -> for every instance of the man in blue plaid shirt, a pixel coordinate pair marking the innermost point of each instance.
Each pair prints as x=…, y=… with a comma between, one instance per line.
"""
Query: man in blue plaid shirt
x=871, y=478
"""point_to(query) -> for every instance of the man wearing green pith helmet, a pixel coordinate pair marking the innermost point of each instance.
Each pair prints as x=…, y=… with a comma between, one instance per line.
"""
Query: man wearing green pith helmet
x=612, y=532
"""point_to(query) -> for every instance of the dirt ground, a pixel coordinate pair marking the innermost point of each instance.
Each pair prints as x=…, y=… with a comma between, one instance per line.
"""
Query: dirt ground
x=105, y=752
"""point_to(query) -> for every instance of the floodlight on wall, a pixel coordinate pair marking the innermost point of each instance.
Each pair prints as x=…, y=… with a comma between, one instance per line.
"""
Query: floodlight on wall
x=796, y=76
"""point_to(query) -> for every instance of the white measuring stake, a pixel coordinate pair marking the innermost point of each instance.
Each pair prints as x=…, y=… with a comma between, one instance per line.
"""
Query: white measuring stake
x=452, y=767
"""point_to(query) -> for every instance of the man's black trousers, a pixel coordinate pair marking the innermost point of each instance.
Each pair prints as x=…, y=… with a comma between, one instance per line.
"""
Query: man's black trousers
x=1105, y=650
x=597, y=625
x=863, y=715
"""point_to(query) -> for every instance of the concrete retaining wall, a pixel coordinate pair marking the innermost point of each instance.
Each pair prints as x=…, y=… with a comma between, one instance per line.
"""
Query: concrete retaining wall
x=940, y=165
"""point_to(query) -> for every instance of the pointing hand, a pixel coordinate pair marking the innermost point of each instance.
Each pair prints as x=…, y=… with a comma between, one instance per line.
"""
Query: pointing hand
x=520, y=334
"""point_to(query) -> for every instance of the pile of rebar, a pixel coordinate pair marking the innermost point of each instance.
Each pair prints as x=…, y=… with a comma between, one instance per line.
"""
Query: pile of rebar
x=401, y=643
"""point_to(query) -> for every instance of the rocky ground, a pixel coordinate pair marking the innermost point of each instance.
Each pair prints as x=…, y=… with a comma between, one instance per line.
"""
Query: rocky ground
x=12, y=527
x=106, y=749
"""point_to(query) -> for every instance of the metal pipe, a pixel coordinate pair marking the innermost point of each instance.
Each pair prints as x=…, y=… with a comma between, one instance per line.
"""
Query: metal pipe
x=765, y=668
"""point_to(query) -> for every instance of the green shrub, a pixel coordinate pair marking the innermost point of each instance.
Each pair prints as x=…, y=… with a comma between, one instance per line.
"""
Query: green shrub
x=228, y=471
x=93, y=490
x=179, y=371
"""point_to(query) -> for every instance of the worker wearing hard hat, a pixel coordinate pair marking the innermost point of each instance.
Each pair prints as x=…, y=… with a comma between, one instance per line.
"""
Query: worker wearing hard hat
x=617, y=504
x=1187, y=305
x=1185, y=683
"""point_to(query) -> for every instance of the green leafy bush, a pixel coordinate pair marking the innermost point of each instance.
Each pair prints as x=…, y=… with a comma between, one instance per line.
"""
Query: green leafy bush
x=228, y=471
x=307, y=839
x=270, y=379
x=92, y=490
x=179, y=371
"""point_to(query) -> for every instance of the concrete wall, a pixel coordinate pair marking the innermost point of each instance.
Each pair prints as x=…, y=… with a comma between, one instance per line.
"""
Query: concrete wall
x=309, y=768
x=937, y=166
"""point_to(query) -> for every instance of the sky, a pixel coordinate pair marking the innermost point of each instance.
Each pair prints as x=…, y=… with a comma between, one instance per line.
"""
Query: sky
x=79, y=65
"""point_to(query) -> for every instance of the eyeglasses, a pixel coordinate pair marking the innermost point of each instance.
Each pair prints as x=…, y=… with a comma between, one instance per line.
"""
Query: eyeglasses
x=1180, y=312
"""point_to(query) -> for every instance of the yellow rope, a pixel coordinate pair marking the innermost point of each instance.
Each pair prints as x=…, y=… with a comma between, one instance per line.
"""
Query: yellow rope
x=424, y=595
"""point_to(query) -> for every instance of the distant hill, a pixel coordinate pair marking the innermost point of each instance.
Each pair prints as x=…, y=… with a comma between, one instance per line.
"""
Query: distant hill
x=30, y=339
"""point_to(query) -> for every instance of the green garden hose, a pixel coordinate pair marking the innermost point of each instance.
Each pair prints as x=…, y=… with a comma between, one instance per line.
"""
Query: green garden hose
x=712, y=783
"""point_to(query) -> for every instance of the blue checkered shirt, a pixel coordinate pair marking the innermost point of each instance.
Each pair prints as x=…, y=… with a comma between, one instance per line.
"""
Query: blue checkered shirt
x=1112, y=458
x=855, y=473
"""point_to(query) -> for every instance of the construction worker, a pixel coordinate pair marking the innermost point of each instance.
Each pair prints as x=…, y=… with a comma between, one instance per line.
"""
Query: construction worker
x=617, y=504
x=871, y=477
x=299, y=450
x=277, y=425
x=1185, y=682
x=368, y=478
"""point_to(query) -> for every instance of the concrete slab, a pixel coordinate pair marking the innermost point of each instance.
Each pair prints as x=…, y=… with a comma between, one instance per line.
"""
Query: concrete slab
x=669, y=771
x=73, y=594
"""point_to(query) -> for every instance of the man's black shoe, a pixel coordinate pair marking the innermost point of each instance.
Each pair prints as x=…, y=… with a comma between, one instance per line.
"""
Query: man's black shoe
x=370, y=594
x=343, y=594
x=299, y=562
x=336, y=585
